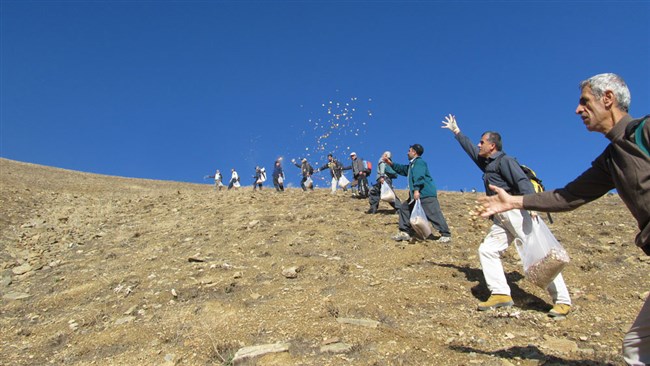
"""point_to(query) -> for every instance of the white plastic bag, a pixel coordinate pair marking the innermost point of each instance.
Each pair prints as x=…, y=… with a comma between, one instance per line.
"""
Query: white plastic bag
x=343, y=181
x=387, y=194
x=542, y=255
x=280, y=179
x=309, y=182
x=419, y=221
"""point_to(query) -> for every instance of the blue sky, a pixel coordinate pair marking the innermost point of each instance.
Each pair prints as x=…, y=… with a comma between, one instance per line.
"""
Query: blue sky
x=173, y=90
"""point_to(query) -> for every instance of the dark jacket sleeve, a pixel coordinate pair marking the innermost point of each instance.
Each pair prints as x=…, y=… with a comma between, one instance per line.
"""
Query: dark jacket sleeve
x=323, y=167
x=470, y=148
x=400, y=169
x=389, y=171
x=590, y=185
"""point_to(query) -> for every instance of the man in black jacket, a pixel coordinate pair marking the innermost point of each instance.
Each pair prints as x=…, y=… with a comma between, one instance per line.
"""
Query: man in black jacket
x=360, y=174
x=336, y=170
x=624, y=165
x=306, y=170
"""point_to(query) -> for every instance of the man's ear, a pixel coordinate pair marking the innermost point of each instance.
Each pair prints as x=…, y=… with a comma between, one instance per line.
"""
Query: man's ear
x=609, y=99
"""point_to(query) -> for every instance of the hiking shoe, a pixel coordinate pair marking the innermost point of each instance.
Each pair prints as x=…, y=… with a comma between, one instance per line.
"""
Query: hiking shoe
x=371, y=211
x=559, y=310
x=496, y=301
x=401, y=236
x=444, y=239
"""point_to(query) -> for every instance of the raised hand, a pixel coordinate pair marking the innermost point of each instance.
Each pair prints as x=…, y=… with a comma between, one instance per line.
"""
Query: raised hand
x=450, y=124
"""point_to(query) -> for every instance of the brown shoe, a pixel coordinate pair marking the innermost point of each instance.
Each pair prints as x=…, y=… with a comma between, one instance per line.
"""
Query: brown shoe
x=496, y=301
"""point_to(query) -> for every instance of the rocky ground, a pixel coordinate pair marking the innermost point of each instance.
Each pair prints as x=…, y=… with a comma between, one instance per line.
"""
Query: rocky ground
x=113, y=271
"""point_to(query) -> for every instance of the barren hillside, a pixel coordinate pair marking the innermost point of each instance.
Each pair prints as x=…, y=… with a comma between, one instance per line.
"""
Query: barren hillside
x=113, y=271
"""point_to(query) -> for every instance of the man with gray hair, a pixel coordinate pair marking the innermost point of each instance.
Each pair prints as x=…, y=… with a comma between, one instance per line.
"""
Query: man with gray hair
x=624, y=166
x=384, y=174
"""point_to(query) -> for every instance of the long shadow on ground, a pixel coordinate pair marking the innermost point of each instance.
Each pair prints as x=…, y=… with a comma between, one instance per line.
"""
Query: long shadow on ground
x=522, y=299
x=530, y=353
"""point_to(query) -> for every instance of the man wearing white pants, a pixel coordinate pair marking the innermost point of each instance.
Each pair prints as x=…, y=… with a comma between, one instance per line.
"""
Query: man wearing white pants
x=336, y=170
x=503, y=171
x=508, y=227
x=624, y=165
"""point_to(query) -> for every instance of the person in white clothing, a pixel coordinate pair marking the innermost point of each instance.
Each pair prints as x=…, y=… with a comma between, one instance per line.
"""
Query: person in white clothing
x=234, y=180
x=218, y=180
x=336, y=170
x=503, y=171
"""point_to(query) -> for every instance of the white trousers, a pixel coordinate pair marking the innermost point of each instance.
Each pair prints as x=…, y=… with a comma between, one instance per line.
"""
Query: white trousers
x=636, y=343
x=335, y=184
x=508, y=227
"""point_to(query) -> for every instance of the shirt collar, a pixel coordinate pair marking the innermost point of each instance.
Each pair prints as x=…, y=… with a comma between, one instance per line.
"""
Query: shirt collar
x=619, y=128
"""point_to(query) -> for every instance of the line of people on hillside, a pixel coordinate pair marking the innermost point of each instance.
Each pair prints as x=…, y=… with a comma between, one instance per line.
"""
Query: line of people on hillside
x=258, y=178
x=510, y=195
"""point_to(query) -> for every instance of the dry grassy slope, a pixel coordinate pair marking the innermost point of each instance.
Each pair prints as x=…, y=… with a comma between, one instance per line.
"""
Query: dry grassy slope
x=107, y=254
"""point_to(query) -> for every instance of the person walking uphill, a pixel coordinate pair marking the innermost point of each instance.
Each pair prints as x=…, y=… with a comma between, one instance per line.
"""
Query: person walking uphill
x=503, y=171
x=624, y=165
x=259, y=178
x=234, y=179
x=218, y=178
x=360, y=173
x=278, y=176
x=421, y=187
x=336, y=170
x=384, y=174
x=306, y=170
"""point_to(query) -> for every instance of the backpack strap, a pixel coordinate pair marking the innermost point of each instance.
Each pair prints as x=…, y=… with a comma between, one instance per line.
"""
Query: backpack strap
x=638, y=137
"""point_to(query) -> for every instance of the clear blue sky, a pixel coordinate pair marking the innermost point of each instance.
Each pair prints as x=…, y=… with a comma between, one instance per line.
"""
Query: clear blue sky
x=173, y=90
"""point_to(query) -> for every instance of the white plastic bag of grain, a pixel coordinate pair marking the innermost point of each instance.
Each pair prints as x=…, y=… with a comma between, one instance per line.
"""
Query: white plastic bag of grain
x=309, y=182
x=542, y=255
x=419, y=221
x=387, y=194
x=343, y=181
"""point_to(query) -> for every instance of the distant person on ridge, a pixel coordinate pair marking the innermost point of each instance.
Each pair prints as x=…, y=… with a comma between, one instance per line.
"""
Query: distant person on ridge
x=218, y=180
x=384, y=174
x=336, y=170
x=624, y=165
x=259, y=178
x=503, y=171
x=234, y=180
x=278, y=176
x=421, y=187
x=360, y=173
x=306, y=170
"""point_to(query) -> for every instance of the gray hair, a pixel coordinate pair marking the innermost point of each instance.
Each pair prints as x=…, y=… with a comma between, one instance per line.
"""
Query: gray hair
x=601, y=83
x=387, y=153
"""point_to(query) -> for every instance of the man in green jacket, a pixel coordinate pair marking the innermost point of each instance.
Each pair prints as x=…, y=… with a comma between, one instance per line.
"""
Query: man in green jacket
x=421, y=187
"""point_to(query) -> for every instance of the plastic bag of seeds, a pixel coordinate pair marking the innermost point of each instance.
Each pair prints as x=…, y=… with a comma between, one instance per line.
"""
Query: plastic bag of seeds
x=542, y=255
x=387, y=193
x=419, y=222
